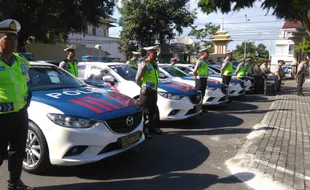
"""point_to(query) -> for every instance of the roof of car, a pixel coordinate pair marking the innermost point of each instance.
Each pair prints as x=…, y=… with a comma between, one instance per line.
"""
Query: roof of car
x=40, y=63
x=102, y=63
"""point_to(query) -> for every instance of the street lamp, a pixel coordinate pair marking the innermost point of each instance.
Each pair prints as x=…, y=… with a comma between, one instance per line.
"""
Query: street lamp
x=246, y=27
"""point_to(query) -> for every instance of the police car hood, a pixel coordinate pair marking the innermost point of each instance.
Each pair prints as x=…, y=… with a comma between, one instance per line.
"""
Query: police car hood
x=88, y=102
x=210, y=83
x=176, y=88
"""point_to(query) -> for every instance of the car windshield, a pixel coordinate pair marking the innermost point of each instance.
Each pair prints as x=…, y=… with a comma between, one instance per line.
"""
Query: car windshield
x=47, y=77
x=125, y=71
x=174, y=72
x=185, y=69
x=216, y=69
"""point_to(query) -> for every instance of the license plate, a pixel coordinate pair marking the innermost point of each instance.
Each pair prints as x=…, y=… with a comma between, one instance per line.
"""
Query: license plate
x=198, y=108
x=129, y=140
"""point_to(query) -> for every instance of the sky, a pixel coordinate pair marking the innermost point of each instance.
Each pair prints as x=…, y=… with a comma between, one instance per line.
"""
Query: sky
x=258, y=29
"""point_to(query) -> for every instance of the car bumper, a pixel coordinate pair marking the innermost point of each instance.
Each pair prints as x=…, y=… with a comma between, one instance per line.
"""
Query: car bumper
x=100, y=141
x=177, y=109
x=236, y=90
x=215, y=97
x=248, y=86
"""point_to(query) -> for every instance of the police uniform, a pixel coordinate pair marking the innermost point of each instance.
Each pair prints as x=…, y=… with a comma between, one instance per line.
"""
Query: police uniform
x=227, y=70
x=240, y=71
x=248, y=67
x=201, y=72
x=131, y=61
x=70, y=65
x=15, y=96
x=147, y=78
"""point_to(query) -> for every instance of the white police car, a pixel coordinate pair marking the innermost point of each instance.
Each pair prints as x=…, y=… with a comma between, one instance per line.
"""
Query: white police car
x=73, y=124
x=216, y=92
x=176, y=101
x=236, y=86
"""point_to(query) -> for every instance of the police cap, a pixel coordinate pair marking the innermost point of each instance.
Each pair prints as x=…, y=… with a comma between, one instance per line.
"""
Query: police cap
x=10, y=26
x=70, y=48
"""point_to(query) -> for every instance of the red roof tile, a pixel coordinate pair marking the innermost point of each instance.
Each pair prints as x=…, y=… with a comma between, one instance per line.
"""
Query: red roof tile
x=290, y=24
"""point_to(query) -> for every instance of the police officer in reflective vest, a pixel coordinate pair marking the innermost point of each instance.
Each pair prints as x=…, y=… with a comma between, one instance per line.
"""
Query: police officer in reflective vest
x=227, y=69
x=134, y=60
x=240, y=71
x=248, y=67
x=147, y=78
x=201, y=72
x=15, y=96
x=70, y=64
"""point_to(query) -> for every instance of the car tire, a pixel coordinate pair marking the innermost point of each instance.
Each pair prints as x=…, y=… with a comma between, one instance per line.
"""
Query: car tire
x=31, y=163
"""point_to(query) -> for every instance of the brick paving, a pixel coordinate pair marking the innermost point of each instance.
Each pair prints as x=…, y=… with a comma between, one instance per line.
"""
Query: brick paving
x=282, y=151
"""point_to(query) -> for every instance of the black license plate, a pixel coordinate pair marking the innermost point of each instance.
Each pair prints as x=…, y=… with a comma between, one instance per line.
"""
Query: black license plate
x=127, y=141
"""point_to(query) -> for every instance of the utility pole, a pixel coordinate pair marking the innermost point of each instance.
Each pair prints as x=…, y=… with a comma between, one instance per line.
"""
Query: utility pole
x=246, y=28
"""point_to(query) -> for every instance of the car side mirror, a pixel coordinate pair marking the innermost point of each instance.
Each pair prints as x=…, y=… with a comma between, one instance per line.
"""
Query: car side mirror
x=162, y=75
x=108, y=79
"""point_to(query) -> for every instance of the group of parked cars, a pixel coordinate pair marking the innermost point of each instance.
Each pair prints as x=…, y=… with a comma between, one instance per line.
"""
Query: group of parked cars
x=76, y=121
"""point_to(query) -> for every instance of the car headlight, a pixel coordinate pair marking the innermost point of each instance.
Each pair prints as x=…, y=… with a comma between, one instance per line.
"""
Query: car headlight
x=70, y=121
x=211, y=88
x=170, y=96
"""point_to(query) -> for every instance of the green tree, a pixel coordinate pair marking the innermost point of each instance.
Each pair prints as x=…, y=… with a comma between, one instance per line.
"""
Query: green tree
x=251, y=48
x=204, y=34
x=294, y=10
x=304, y=47
x=145, y=21
x=52, y=21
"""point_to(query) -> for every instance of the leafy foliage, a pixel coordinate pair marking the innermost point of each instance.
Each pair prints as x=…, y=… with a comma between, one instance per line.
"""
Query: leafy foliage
x=296, y=10
x=52, y=21
x=145, y=21
x=304, y=47
x=204, y=34
x=251, y=48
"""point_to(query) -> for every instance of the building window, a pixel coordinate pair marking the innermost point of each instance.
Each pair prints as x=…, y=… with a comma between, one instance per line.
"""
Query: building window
x=94, y=31
x=281, y=50
x=291, y=49
x=104, y=33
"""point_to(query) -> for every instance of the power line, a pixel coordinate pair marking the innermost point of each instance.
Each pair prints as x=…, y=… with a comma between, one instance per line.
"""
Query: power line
x=254, y=22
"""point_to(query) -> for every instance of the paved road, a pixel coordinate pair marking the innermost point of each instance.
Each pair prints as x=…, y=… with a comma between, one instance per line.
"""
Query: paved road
x=190, y=155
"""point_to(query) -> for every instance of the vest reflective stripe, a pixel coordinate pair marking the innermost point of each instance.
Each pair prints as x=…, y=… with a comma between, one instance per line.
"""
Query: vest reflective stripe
x=72, y=68
x=13, y=85
x=133, y=63
x=150, y=77
x=203, y=70
x=241, y=72
x=229, y=70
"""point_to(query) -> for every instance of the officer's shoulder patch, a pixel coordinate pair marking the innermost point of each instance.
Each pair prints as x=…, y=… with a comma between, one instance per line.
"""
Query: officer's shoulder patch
x=2, y=68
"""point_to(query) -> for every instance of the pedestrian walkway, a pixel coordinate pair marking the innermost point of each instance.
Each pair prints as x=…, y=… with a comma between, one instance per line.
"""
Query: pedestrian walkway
x=279, y=147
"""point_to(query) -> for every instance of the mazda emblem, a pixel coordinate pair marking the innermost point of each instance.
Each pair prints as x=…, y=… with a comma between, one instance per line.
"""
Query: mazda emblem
x=198, y=97
x=129, y=121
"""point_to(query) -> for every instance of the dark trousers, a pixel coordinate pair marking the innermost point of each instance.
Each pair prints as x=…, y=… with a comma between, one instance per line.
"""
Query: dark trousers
x=13, y=132
x=201, y=84
x=148, y=102
x=226, y=80
x=301, y=80
x=278, y=84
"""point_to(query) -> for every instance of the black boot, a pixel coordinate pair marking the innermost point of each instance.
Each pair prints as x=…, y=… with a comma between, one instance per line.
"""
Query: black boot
x=19, y=186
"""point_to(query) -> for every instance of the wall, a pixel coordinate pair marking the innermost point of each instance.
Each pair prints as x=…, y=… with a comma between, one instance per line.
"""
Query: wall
x=56, y=51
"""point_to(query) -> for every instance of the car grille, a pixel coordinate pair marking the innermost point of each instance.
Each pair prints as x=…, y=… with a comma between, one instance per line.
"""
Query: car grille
x=120, y=124
x=194, y=98
x=224, y=90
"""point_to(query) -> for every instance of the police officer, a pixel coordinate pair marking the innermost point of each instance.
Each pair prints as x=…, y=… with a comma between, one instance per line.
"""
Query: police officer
x=147, y=78
x=15, y=96
x=201, y=72
x=134, y=60
x=240, y=71
x=227, y=69
x=173, y=61
x=70, y=64
x=248, y=67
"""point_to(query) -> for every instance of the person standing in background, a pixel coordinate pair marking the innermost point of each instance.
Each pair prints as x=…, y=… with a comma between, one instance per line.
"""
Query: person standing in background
x=301, y=73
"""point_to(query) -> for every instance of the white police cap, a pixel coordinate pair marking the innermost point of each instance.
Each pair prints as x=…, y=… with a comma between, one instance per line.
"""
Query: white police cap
x=229, y=52
x=136, y=53
x=151, y=48
x=242, y=59
x=204, y=50
x=248, y=59
x=10, y=26
x=72, y=47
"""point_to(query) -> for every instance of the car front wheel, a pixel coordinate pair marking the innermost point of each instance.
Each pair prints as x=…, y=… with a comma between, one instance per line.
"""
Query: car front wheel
x=36, y=159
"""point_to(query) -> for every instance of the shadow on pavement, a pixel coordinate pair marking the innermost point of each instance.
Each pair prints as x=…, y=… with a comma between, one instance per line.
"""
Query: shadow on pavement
x=179, y=181
x=206, y=121
x=222, y=131
x=233, y=106
x=255, y=98
x=162, y=154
